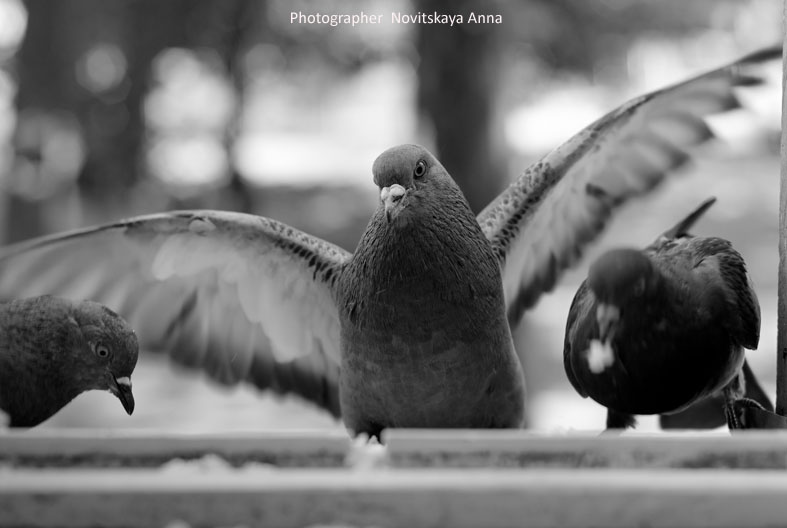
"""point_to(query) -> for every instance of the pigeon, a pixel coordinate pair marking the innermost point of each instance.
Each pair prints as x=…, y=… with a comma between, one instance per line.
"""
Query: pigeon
x=53, y=349
x=422, y=311
x=654, y=331
x=413, y=328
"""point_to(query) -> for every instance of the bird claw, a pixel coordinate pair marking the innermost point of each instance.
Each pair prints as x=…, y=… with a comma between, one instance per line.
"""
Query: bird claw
x=733, y=410
x=733, y=422
x=366, y=452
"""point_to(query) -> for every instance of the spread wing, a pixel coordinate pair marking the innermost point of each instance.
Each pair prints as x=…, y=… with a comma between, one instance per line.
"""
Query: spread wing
x=540, y=224
x=242, y=297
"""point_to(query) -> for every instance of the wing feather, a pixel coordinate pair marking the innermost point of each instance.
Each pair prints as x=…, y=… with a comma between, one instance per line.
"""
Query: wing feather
x=540, y=224
x=241, y=297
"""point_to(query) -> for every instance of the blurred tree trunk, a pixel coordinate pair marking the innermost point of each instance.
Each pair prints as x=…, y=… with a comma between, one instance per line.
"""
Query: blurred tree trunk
x=105, y=123
x=151, y=26
x=98, y=161
x=225, y=27
x=43, y=73
x=458, y=74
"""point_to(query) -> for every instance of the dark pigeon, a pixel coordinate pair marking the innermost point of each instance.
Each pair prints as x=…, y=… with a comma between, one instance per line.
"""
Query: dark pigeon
x=425, y=339
x=654, y=331
x=415, y=319
x=712, y=412
x=54, y=349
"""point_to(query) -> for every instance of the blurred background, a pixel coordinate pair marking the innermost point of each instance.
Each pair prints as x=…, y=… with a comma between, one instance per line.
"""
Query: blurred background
x=112, y=108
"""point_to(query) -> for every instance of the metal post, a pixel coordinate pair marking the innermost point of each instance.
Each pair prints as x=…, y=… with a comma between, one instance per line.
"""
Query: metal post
x=781, y=340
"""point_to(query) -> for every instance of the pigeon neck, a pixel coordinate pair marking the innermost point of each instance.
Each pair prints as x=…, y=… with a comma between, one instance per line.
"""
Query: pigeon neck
x=35, y=381
x=434, y=250
x=429, y=268
x=32, y=403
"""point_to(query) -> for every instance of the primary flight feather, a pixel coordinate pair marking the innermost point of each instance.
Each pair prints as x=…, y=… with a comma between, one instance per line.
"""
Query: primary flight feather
x=413, y=328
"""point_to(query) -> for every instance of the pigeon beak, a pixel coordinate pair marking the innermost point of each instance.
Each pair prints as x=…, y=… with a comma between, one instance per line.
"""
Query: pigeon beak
x=122, y=389
x=607, y=316
x=391, y=196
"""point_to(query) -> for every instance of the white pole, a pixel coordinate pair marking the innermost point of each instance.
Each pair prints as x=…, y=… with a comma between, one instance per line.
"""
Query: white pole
x=781, y=340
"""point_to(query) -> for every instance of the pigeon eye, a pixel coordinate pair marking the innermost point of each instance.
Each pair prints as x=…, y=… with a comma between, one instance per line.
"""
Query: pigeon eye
x=420, y=169
x=102, y=350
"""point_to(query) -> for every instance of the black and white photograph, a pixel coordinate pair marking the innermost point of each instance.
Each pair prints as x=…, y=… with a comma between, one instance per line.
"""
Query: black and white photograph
x=392, y=263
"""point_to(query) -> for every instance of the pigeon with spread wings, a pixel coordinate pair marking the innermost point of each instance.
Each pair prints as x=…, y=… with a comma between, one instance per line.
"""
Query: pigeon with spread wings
x=654, y=331
x=413, y=328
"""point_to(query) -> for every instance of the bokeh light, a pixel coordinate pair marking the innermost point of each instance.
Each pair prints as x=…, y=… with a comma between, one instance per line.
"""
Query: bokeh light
x=188, y=111
x=13, y=22
x=101, y=68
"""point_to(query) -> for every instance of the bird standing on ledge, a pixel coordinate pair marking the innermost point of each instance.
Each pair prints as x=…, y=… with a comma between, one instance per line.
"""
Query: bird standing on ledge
x=424, y=335
x=54, y=349
x=653, y=331
x=413, y=329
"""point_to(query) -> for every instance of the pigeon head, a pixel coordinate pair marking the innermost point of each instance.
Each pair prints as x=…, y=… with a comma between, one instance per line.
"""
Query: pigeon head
x=405, y=174
x=618, y=278
x=53, y=349
x=109, y=352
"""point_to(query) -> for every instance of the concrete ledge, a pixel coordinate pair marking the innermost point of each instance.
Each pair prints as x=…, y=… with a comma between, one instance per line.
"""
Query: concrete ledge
x=413, y=498
x=118, y=448
x=419, y=478
x=403, y=449
x=520, y=449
